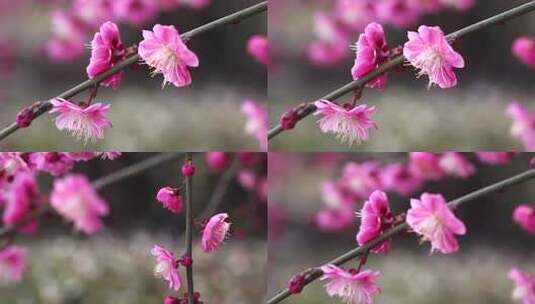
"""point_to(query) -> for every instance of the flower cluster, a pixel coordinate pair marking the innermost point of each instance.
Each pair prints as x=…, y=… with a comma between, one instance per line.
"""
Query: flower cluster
x=359, y=180
x=72, y=197
x=335, y=28
x=71, y=26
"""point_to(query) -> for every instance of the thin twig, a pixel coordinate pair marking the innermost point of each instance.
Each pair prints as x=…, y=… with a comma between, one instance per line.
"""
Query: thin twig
x=221, y=188
x=98, y=184
x=351, y=254
x=189, y=231
x=398, y=60
x=44, y=106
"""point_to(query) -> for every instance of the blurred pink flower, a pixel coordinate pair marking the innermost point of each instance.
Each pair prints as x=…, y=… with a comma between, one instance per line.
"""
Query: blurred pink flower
x=75, y=199
x=326, y=53
x=428, y=50
x=361, y=179
x=376, y=218
x=399, y=13
x=494, y=157
x=524, y=49
x=371, y=51
x=12, y=264
x=455, y=163
x=524, y=290
x=524, y=215
x=431, y=218
x=355, y=14
x=82, y=156
x=258, y=47
x=334, y=219
x=11, y=163
x=84, y=122
x=350, y=286
x=425, y=165
x=170, y=198
x=397, y=177
x=332, y=41
x=217, y=161
x=55, y=163
x=68, y=35
x=523, y=127
x=135, y=12
x=215, y=232
x=111, y=155
x=20, y=198
x=93, y=12
x=335, y=196
x=166, y=267
x=106, y=51
x=257, y=121
x=164, y=50
x=349, y=123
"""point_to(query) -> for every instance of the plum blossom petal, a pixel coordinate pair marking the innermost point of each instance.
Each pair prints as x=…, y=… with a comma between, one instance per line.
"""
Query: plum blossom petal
x=350, y=286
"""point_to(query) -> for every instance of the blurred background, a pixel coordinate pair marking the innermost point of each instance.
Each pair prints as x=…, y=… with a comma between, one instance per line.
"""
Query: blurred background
x=468, y=117
x=409, y=274
x=204, y=116
x=115, y=265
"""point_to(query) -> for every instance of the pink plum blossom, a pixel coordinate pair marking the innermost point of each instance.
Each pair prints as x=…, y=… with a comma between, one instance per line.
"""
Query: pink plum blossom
x=12, y=163
x=67, y=41
x=428, y=50
x=524, y=290
x=371, y=51
x=524, y=49
x=376, y=218
x=257, y=121
x=456, y=164
x=166, y=267
x=361, y=179
x=524, y=215
x=397, y=177
x=494, y=157
x=164, y=50
x=523, y=127
x=106, y=51
x=425, y=165
x=170, y=198
x=350, y=286
x=136, y=12
x=258, y=47
x=55, y=163
x=349, y=123
x=12, y=264
x=84, y=122
x=431, y=218
x=75, y=199
x=215, y=232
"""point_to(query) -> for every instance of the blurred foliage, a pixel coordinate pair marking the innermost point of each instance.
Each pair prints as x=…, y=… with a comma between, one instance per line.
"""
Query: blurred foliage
x=107, y=269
